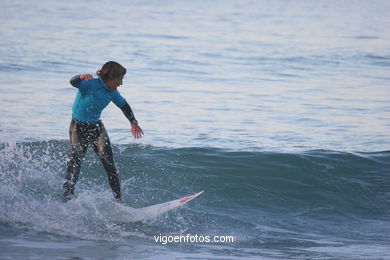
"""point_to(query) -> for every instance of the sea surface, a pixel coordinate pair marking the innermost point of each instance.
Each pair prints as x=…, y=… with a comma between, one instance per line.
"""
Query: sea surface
x=279, y=110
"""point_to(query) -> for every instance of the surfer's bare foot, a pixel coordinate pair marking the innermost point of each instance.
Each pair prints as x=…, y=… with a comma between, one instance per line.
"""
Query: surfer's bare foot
x=119, y=201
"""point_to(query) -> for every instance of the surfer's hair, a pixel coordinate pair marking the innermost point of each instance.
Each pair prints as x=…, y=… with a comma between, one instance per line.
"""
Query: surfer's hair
x=111, y=70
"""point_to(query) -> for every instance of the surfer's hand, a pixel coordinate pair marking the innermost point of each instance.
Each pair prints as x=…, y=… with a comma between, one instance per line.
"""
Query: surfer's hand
x=136, y=130
x=86, y=77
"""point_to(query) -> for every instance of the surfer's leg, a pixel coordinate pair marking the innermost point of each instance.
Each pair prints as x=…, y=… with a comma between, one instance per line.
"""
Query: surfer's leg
x=77, y=148
x=102, y=147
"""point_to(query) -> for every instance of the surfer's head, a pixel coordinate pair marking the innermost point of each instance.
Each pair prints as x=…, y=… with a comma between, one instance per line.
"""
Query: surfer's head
x=112, y=74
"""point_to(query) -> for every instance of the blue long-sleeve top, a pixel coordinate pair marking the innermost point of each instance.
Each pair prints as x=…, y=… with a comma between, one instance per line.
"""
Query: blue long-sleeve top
x=92, y=97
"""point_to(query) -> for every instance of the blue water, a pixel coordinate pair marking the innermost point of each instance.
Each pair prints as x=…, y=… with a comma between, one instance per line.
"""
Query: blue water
x=279, y=110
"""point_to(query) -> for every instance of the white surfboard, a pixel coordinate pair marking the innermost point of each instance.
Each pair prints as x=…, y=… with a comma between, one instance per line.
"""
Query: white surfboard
x=128, y=214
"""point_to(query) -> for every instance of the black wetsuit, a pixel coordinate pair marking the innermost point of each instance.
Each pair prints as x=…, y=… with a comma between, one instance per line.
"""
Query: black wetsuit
x=83, y=134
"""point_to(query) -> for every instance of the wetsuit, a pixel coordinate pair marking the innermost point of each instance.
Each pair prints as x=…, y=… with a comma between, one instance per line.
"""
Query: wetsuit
x=86, y=129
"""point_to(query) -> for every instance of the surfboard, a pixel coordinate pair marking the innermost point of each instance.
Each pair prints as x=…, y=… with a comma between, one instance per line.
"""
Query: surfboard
x=129, y=214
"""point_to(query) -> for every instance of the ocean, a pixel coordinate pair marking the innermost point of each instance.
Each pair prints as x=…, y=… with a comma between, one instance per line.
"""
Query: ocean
x=278, y=110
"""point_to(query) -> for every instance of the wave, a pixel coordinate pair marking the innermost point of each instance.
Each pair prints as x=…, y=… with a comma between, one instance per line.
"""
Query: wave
x=243, y=190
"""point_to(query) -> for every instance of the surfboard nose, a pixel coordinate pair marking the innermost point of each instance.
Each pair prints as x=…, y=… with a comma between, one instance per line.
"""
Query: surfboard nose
x=188, y=198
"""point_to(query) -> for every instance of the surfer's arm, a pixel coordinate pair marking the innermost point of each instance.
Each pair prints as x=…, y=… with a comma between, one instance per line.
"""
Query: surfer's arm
x=77, y=80
x=135, y=129
x=128, y=112
x=120, y=102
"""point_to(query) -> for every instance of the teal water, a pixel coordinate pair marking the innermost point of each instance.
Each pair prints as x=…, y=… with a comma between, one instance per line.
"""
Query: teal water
x=279, y=110
x=315, y=204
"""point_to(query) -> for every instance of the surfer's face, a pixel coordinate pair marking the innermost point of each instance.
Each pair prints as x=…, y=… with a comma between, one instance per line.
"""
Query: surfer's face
x=114, y=83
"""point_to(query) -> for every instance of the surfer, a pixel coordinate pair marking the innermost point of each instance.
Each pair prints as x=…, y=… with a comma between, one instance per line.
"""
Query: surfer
x=86, y=128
